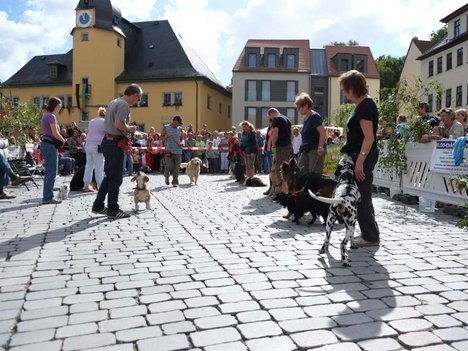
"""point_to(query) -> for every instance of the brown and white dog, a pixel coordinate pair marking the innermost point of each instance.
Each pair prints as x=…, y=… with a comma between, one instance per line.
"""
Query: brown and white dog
x=142, y=192
x=193, y=169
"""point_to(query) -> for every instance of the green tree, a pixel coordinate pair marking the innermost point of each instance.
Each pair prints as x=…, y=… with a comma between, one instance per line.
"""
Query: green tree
x=438, y=35
x=341, y=43
x=341, y=115
x=389, y=69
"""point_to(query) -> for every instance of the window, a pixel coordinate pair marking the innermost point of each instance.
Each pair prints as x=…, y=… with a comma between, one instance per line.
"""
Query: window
x=208, y=102
x=431, y=68
x=291, y=90
x=220, y=108
x=290, y=61
x=178, y=98
x=459, y=96
x=251, y=90
x=457, y=28
x=460, y=57
x=430, y=101
x=119, y=42
x=449, y=61
x=69, y=101
x=344, y=64
x=229, y=111
x=318, y=96
x=251, y=115
x=143, y=100
x=271, y=60
x=439, y=102
x=16, y=101
x=266, y=95
x=37, y=101
x=360, y=65
x=439, y=65
x=45, y=101
x=84, y=115
x=291, y=114
x=84, y=36
x=53, y=71
x=252, y=60
x=448, y=97
x=167, y=99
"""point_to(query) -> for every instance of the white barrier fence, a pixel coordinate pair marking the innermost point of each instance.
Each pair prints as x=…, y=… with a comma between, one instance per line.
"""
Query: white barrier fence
x=418, y=180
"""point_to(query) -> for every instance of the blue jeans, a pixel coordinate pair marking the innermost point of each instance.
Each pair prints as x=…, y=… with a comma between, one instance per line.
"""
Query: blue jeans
x=113, y=176
x=50, y=154
x=6, y=173
x=128, y=164
x=68, y=165
x=267, y=162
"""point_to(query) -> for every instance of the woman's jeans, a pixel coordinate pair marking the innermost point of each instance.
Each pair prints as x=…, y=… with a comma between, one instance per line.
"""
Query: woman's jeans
x=50, y=154
x=5, y=171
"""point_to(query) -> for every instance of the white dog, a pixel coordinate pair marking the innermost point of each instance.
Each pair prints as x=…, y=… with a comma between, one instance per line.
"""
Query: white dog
x=193, y=169
x=63, y=192
x=142, y=192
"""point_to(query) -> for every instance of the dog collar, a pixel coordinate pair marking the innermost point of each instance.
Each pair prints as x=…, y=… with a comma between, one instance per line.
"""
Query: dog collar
x=137, y=188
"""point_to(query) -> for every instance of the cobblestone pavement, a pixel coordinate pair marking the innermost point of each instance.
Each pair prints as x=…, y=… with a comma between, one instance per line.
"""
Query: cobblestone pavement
x=216, y=267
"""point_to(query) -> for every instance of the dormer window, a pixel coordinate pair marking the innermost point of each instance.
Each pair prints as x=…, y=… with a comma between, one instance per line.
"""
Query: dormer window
x=457, y=28
x=115, y=20
x=252, y=59
x=271, y=60
x=53, y=71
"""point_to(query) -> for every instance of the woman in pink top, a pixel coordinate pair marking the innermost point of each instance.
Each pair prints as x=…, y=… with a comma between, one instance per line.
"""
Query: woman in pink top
x=94, y=156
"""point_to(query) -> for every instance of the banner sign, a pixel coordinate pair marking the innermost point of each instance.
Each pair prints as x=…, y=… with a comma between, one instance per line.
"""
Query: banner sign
x=442, y=159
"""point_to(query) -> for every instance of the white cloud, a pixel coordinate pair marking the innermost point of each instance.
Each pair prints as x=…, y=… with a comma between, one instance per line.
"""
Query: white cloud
x=218, y=36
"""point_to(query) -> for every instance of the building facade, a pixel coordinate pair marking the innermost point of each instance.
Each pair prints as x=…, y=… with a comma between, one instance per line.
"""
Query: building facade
x=109, y=53
x=446, y=62
x=270, y=73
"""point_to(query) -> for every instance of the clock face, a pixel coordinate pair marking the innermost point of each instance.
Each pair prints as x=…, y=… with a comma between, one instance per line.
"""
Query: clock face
x=83, y=18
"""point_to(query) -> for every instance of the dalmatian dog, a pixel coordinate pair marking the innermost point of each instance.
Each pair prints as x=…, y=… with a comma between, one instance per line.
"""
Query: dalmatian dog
x=343, y=206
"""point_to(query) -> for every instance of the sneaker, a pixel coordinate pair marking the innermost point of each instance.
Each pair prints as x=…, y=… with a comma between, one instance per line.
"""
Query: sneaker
x=6, y=196
x=102, y=211
x=52, y=202
x=20, y=180
x=363, y=242
x=117, y=214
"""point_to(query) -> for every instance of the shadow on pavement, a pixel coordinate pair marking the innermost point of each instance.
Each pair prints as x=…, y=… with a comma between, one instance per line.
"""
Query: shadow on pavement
x=19, y=245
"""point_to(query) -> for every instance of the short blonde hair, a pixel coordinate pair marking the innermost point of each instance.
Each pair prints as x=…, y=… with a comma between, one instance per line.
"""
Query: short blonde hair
x=463, y=113
x=247, y=123
x=304, y=99
x=101, y=111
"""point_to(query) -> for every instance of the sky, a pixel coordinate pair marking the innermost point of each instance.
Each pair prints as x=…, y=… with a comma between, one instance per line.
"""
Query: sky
x=217, y=30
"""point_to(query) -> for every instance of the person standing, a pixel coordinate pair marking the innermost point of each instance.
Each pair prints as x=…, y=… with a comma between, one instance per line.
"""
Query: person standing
x=281, y=146
x=117, y=128
x=248, y=145
x=171, y=135
x=313, y=147
x=361, y=145
x=51, y=141
x=296, y=142
x=94, y=156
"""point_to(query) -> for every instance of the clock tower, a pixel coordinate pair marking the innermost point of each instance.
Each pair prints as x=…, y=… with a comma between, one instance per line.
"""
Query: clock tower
x=98, y=55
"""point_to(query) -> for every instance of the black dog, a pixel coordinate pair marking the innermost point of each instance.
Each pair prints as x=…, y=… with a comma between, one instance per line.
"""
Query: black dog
x=300, y=203
x=298, y=180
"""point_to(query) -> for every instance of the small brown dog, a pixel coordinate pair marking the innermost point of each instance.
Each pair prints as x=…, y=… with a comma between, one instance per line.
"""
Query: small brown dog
x=142, y=192
x=194, y=169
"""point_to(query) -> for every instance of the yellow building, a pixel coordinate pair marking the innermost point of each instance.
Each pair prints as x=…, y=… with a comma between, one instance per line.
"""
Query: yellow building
x=108, y=54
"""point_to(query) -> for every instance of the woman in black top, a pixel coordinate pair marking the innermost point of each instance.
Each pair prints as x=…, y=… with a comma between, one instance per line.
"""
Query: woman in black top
x=361, y=145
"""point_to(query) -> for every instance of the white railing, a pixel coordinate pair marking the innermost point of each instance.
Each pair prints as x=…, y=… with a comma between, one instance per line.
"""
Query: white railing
x=418, y=180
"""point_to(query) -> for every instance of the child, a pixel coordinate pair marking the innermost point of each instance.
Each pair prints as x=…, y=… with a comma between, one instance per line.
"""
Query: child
x=212, y=156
